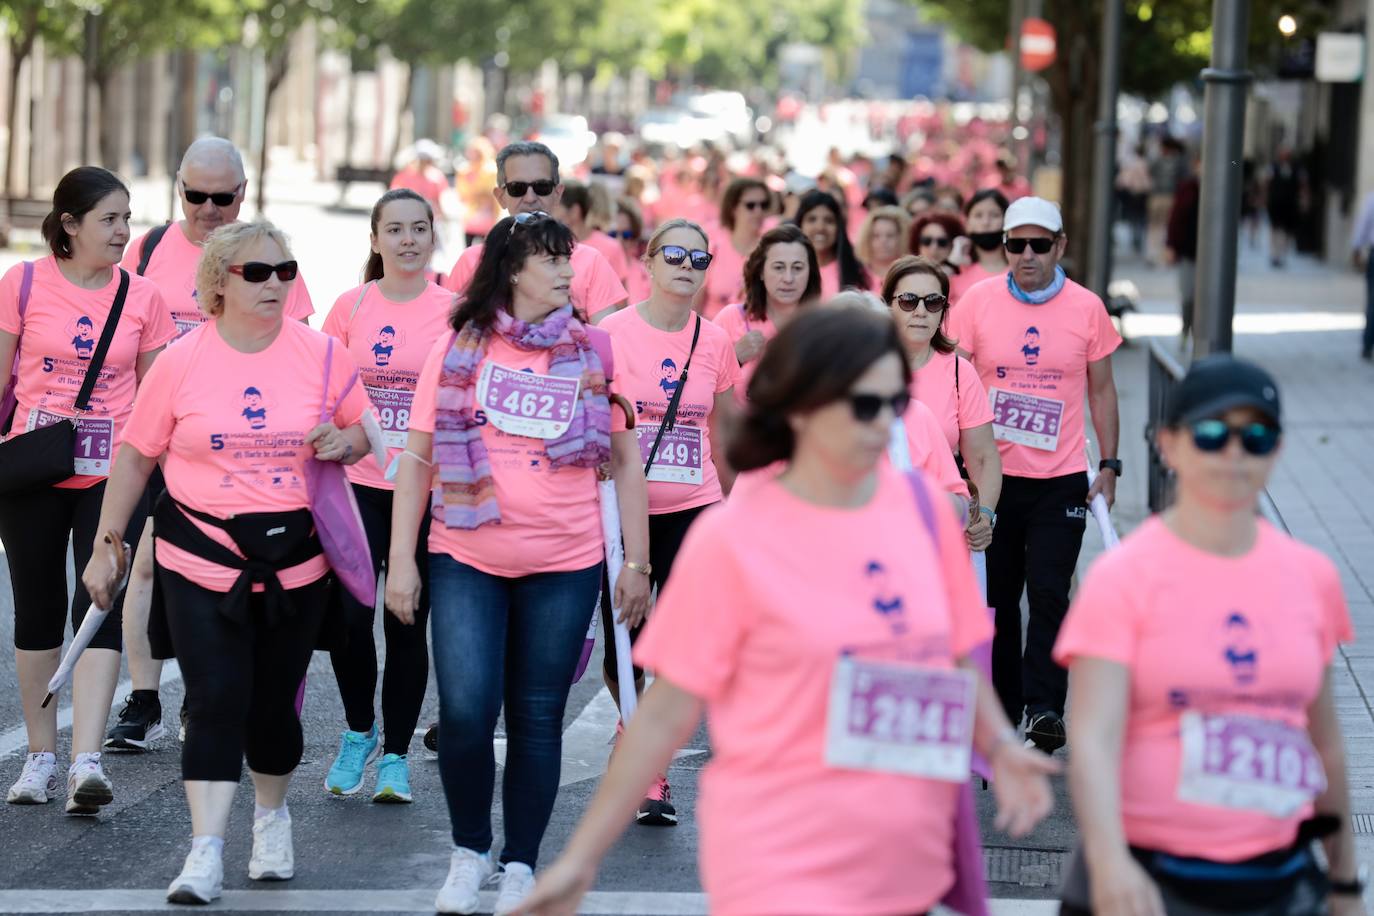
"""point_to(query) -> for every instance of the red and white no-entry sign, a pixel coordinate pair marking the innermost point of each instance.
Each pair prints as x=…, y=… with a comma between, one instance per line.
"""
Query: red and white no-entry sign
x=1037, y=44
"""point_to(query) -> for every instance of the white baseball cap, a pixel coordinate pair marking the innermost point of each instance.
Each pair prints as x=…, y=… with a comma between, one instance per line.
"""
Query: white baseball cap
x=1033, y=211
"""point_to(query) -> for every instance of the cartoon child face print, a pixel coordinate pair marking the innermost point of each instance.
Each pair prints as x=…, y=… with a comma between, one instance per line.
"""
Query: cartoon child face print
x=254, y=410
x=668, y=382
x=84, y=341
x=384, y=343
x=1031, y=349
x=885, y=602
x=1239, y=651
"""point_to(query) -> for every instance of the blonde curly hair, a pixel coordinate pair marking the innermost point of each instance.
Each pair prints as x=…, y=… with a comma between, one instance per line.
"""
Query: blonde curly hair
x=220, y=250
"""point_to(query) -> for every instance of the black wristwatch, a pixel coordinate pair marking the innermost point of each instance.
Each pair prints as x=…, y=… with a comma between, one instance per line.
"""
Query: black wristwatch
x=1351, y=888
x=1110, y=464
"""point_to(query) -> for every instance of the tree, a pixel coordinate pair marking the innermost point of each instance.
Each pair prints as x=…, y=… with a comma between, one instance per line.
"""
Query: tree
x=270, y=28
x=24, y=23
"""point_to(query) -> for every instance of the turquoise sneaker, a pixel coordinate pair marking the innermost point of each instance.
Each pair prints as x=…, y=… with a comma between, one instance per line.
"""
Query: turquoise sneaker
x=393, y=780
x=356, y=751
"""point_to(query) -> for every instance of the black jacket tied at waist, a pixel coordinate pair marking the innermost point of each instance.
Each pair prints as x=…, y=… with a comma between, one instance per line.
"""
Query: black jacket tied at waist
x=269, y=541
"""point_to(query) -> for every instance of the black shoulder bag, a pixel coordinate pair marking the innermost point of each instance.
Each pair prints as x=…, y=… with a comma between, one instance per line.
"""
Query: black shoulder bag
x=670, y=415
x=46, y=455
x=150, y=243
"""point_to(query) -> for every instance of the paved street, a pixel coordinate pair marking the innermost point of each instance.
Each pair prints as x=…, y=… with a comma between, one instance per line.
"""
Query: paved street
x=353, y=856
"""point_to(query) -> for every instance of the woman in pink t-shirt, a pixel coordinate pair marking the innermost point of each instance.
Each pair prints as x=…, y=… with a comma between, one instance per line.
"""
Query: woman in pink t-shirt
x=819, y=215
x=664, y=342
x=629, y=231
x=743, y=209
x=1200, y=686
x=53, y=314
x=389, y=325
x=243, y=592
x=917, y=293
x=814, y=802
x=510, y=424
x=882, y=240
x=780, y=276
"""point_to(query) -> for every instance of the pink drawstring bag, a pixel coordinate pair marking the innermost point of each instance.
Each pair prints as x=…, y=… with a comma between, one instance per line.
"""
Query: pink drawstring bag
x=335, y=510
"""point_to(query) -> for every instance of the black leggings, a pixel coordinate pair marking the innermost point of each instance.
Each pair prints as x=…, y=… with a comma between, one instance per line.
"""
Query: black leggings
x=666, y=532
x=241, y=681
x=35, y=526
x=407, y=653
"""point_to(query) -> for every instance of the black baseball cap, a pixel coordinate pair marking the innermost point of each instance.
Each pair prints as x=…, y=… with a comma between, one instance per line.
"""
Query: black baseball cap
x=1218, y=383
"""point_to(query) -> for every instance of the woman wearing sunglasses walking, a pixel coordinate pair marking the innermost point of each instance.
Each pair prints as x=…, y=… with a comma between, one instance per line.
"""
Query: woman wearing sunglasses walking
x=1208, y=754
x=389, y=325
x=743, y=209
x=243, y=588
x=680, y=371
x=779, y=642
x=510, y=424
x=932, y=237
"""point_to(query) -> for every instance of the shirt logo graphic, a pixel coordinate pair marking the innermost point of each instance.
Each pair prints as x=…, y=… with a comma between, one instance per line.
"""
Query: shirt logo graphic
x=886, y=602
x=1031, y=348
x=669, y=380
x=1240, y=653
x=384, y=342
x=254, y=410
x=84, y=341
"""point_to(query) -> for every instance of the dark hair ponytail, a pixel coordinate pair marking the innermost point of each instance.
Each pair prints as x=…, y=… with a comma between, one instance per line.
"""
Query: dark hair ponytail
x=78, y=193
x=812, y=362
x=507, y=247
x=372, y=270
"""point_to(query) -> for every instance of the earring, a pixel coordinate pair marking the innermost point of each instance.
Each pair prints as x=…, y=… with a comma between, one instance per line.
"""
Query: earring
x=514, y=280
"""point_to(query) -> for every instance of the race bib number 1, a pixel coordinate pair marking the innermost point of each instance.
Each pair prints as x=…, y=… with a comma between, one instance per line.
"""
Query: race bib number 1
x=901, y=719
x=1025, y=419
x=94, y=440
x=679, y=454
x=393, y=413
x=526, y=404
x=1249, y=763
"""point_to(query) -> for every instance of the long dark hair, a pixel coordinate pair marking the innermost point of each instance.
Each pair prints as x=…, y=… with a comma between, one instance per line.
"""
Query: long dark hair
x=373, y=269
x=812, y=362
x=912, y=264
x=852, y=273
x=78, y=193
x=504, y=253
x=755, y=293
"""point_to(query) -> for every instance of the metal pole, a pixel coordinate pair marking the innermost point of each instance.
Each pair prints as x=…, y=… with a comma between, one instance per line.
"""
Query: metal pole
x=1018, y=15
x=88, y=53
x=1104, y=153
x=1222, y=139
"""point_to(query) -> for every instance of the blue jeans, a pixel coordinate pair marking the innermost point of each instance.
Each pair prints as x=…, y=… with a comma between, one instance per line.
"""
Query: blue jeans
x=513, y=639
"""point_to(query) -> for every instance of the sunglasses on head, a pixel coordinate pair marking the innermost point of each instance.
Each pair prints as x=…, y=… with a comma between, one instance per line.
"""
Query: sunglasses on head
x=259, y=271
x=934, y=302
x=220, y=198
x=938, y=241
x=543, y=187
x=1256, y=438
x=1038, y=245
x=754, y=204
x=676, y=254
x=867, y=406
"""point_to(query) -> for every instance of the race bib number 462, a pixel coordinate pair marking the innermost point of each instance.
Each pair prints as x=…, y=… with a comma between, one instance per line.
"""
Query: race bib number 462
x=527, y=404
x=1249, y=763
x=1026, y=419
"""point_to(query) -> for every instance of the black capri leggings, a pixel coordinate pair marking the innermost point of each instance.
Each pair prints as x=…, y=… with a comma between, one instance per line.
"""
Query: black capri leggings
x=241, y=681
x=666, y=532
x=35, y=527
x=407, y=652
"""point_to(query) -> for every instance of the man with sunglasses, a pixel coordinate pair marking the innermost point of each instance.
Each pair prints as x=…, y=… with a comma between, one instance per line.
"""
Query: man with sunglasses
x=527, y=182
x=211, y=185
x=1042, y=346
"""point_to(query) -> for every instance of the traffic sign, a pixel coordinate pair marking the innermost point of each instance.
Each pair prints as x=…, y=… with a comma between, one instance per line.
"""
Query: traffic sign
x=1037, y=44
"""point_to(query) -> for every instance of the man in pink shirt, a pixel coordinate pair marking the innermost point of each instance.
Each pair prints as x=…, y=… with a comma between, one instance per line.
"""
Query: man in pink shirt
x=1042, y=344
x=527, y=182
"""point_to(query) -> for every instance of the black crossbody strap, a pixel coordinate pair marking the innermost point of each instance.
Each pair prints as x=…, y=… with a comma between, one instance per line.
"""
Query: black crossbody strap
x=670, y=415
x=83, y=398
x=150, y=243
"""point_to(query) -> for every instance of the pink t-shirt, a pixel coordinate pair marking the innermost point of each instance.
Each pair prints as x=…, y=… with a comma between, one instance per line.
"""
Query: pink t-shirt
x=233, y=428
x=653, y=360
x=550, y=519
x=754, y=624
x=830, y=279
x=60, y=331
x=968, y=276
x=595, y=287
x=612, y=251
x=173, y=269
x=1249, y=635
x=639, y=284
x=725, y=277
x=1034, y=361
x=956, y=408
x=736, y=323
x=389, y=341
x=929, y=454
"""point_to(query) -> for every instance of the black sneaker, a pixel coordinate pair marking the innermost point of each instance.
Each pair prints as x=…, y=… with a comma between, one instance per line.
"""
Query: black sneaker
x=657, y=809
x=139, y=725
x=1045, y=732
x=184, y=715
x=432, y=739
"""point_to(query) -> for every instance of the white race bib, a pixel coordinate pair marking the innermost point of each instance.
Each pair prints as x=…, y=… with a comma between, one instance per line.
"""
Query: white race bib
x=1026, y=419
x=679, y=454
x=1248, y=763
x=94, y=447
x=393, y=413
x=527, y=404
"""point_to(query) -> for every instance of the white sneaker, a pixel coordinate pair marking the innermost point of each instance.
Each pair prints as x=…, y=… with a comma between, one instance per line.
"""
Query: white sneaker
x=37, y=784
x=468, y=871
x=517, y=880
x=87, y=786
x=273, y=856
x=201, y=878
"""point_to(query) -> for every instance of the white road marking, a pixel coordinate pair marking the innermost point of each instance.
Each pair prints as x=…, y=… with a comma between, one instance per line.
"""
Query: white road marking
x=17, y=738
x=642, y=903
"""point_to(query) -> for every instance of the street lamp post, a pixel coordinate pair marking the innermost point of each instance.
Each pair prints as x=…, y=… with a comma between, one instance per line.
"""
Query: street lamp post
x=1222, y=158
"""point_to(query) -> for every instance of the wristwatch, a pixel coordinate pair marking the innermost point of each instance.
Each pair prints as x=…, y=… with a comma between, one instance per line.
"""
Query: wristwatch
x=1351, y=888
x=643, y=569
x=1110, y=464
x=992, y=516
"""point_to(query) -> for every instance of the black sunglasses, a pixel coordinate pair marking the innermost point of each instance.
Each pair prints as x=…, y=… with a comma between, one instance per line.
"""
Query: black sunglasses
x=934, y=302
x=543, y=187
x=754, y=204
x=867, y=406
x=676, y=254
x=1038, y=245
x=259, y=271
x=938, y=241
x=221, y=198
x=1256, y=438
x=621, y=233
